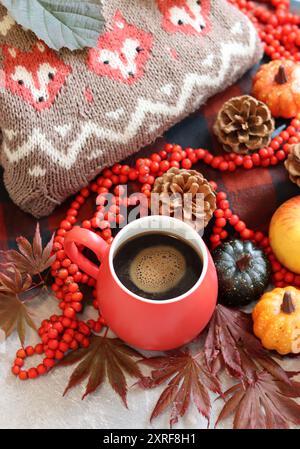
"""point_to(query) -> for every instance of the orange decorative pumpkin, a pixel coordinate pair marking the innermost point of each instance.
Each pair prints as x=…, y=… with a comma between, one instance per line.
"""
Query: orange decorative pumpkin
x=276, y=319
x=277, y=84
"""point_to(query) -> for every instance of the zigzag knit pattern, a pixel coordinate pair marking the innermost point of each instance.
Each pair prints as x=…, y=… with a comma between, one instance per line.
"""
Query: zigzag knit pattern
x=65, y=116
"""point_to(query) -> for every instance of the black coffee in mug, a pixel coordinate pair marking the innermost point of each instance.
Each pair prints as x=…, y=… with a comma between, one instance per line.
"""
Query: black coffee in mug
x=157, y=266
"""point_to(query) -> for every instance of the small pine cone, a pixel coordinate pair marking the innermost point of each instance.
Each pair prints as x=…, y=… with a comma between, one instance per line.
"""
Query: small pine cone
x=292, y=164
x=244, y=124
x=180, y=181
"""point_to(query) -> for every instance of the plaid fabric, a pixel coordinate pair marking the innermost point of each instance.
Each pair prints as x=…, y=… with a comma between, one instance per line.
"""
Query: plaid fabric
x=254, y=194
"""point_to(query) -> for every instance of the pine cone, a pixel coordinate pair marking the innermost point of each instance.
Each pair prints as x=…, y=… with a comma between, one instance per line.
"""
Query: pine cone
x=292, y=164
x=180, y=181
x=244, y=124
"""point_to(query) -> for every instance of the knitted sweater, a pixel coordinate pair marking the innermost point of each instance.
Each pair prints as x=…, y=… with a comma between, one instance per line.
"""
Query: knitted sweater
x=66, y=115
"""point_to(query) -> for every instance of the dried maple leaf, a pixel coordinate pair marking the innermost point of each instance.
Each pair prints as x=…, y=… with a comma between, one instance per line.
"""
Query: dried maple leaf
x=14, y=315
x=187, y=381
x=105, y=358
x=262, y=404
x=12, y=281
x=30, y=259
x=263, y=396
x=230, y=344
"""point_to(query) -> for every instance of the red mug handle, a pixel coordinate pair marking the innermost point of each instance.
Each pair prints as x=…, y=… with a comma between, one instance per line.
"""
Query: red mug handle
x=90, y=240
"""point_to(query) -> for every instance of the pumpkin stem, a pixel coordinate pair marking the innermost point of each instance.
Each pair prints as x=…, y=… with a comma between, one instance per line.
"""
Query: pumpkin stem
x=281, y=77
x=287, y=305
x=243, y=262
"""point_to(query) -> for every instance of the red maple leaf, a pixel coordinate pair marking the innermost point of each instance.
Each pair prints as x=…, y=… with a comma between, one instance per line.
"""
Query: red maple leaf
x=263, y=396
x=31, y=258
x=187, y=381
x=262, y=404
x=105, y=359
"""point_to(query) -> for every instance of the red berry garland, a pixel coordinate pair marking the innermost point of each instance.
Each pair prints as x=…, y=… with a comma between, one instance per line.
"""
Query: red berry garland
x=277, y=27
x=61, y=333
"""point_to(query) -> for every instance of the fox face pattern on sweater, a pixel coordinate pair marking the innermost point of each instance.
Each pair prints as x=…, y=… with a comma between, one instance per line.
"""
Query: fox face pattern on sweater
x=36, y=76
x=185, y=16
x=121, y=53
x=65, y=116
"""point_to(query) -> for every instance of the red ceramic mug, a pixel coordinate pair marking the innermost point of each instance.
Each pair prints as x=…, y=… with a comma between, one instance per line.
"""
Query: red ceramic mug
x=144, y=323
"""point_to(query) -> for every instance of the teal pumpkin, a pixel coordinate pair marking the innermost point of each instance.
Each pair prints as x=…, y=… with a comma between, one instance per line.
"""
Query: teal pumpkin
x=243, y=272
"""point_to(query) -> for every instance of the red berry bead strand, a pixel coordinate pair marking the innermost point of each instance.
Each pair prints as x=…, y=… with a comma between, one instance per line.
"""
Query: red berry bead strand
x=278, y=28
x=281, y=277
x=65, y=332
x=175, y=156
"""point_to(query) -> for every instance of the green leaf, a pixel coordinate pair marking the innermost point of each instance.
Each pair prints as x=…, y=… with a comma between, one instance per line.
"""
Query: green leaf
x=73, y=24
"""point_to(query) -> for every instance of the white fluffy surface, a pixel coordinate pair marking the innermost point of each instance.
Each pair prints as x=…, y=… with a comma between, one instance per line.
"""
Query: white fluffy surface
x=38, y=404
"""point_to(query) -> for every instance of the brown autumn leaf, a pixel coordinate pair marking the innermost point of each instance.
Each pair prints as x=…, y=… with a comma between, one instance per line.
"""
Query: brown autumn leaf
x=14, y=315
x=12, y=281
x=264, y=403
x=187, y=381
x=230, y=344
x=30, y=259
x=105, y=359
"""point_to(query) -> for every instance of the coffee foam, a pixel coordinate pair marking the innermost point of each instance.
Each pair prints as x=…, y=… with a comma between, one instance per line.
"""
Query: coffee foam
x=157, y=269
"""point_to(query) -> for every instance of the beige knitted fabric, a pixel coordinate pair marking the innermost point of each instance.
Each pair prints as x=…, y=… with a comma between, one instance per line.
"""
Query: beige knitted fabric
x=64, y=116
